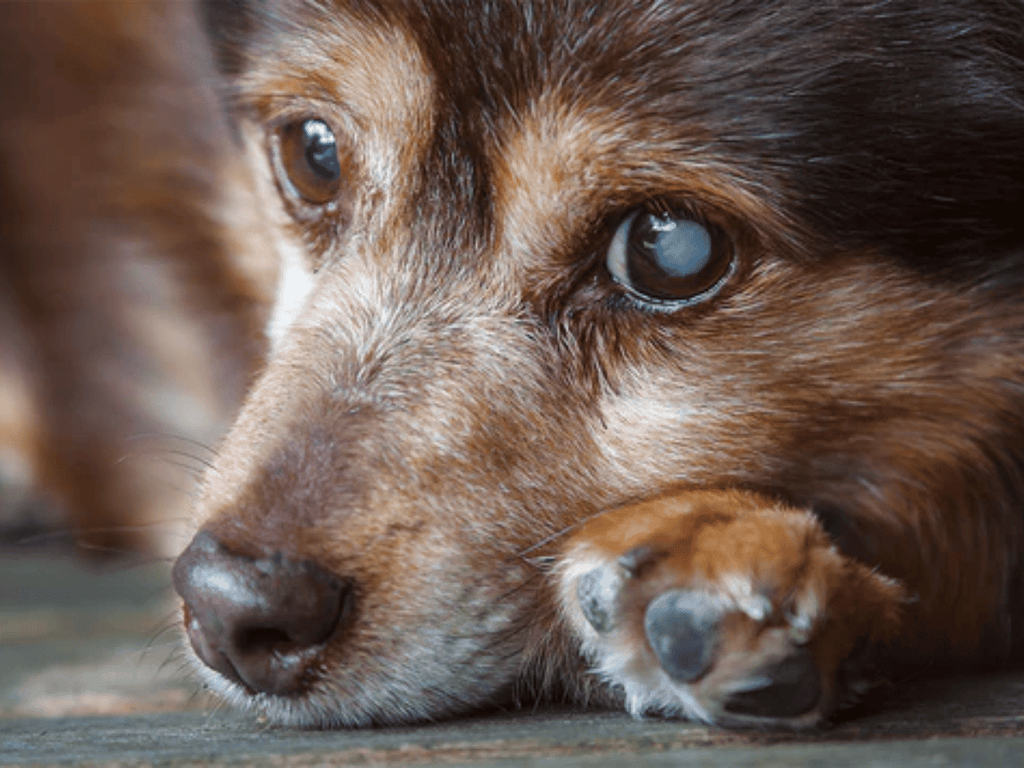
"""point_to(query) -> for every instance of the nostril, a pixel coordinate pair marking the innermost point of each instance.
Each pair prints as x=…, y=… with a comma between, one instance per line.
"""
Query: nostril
x=248, y=640
x=260, y=622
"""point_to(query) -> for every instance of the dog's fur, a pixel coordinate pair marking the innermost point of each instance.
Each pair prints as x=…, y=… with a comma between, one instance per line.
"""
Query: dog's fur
x=496, y=468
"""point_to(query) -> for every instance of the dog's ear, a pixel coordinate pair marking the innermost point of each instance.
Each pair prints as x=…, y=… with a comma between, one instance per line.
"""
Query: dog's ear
x=228, y=24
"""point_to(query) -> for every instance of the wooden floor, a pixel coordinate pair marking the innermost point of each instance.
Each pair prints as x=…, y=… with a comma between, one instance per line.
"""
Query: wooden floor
x=91, y=673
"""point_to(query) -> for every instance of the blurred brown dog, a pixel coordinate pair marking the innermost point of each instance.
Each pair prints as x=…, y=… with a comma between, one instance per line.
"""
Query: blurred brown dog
x=131, y=284
x=667, y=354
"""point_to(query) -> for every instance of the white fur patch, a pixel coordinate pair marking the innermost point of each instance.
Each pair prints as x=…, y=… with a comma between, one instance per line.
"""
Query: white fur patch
x=294, y=280
x=294, y=284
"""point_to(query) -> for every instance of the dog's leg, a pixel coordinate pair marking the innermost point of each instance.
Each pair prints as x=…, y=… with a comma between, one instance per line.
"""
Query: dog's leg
x=723, y=606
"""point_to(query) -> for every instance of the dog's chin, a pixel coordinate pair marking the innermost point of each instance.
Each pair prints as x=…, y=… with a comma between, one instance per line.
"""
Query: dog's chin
x=320, y=709
x=395, y=694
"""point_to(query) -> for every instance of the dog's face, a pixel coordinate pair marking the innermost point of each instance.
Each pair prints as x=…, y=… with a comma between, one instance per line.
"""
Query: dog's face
x=541, y=258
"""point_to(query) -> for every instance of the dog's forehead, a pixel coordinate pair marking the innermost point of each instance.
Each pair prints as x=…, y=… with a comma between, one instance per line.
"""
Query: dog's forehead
x=471, y=67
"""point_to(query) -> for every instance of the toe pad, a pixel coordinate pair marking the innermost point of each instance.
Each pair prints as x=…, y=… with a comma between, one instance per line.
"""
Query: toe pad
x=682, y=628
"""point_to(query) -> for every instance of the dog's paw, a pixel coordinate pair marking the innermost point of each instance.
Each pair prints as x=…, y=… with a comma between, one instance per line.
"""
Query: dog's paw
x=723, y=607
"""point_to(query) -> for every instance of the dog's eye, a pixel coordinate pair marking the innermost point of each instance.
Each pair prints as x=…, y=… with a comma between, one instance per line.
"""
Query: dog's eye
x=309, y=158
x=669, y=258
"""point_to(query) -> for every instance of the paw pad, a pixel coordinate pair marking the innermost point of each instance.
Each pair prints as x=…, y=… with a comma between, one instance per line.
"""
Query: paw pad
x=682, y=628
x=787, y=689
x=598, y=591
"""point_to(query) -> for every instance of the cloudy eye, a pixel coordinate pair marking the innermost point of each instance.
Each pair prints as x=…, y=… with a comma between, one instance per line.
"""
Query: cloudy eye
x=668, y=257
x=308, y=155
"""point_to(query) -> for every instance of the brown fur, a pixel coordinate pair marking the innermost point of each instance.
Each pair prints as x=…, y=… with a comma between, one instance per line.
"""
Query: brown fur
x=463, y=415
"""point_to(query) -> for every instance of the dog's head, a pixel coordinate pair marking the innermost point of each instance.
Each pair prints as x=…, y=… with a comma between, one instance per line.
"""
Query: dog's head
x=540, y=258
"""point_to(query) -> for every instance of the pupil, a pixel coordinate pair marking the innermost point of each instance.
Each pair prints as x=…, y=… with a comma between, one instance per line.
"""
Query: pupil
x=321, y=150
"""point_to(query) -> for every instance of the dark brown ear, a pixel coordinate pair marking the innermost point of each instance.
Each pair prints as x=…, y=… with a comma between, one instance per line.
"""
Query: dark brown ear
x=229, y=24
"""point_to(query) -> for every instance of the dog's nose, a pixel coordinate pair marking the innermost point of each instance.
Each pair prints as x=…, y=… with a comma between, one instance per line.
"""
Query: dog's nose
x=260, y=622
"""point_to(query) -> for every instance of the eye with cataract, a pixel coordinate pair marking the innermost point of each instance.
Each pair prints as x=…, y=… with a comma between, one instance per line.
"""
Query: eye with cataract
x=308, y=155
x=669, y=258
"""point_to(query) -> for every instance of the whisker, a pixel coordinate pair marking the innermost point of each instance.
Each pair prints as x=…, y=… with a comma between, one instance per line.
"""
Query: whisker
x=169, y=624
x=190, y=493
x=183, y=668
x=162, y=453
x=68, y=539
x=219, y=706
x=576, y=525
x=556, y=535
x=212, y=452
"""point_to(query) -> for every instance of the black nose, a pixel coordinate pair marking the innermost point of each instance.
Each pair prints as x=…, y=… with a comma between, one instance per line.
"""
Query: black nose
x=259, y=622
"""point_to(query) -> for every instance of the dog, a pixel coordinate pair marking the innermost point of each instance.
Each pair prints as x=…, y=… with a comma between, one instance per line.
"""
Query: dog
x=133, y=289
x=658, y=354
